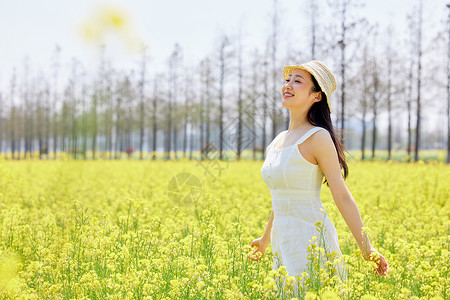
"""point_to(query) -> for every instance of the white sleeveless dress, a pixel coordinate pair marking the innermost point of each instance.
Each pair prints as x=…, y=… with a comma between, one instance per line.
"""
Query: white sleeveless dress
x=295, y=186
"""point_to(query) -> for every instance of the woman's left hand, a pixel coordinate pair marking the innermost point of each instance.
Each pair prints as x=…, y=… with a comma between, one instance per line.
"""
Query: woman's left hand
x=375, y=256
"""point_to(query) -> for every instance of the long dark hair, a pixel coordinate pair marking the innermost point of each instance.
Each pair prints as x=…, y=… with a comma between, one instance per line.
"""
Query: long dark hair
x=319, y=115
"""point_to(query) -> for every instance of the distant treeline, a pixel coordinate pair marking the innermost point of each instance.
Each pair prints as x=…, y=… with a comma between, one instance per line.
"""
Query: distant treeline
x=231, y=98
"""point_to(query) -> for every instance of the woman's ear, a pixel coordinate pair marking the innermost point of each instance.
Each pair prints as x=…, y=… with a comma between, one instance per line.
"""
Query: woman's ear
x=318, y=97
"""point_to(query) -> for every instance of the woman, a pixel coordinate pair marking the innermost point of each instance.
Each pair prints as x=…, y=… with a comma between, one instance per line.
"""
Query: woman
x=297, y=159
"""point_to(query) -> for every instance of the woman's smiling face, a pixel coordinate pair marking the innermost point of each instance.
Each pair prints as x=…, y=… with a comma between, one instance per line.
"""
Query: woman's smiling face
x=296, y=91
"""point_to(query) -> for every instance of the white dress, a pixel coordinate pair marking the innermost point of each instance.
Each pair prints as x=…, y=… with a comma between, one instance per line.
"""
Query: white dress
x=295, y=186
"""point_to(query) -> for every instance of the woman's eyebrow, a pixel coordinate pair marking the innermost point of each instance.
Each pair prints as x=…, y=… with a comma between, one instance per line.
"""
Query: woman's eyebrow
x=297, y=76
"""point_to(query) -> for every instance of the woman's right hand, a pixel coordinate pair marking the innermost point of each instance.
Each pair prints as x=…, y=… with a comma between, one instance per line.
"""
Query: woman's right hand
x=375, y=256
x=261, y=245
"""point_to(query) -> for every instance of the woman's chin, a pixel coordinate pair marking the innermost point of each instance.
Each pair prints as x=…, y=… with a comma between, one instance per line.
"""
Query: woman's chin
x=286, y=103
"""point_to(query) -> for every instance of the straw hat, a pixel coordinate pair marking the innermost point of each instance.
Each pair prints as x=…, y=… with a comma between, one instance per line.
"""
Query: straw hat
x=321, y=73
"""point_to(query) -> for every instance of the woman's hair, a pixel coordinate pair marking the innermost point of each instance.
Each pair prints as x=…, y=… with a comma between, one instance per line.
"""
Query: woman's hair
x=319, y=115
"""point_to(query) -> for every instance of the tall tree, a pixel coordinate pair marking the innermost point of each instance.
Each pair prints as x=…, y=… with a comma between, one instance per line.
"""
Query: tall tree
x=12, y=115
x=46, y=147
x=73, y=107
x=409, y=96
x=154, y=115
x=222, y=62
x=27, y=110
x=40, y=124
x=84, y=122
x=55, y=97
x=274, y=68
x=187, y=115
x=364, y=101
x=264, y=104
x=171, y=126
x=448, y=87
x=205, y=107
x=374, y=103
x=388, y=99
x=419, y=82
x=142, y=103
x=313, y=16
x=108, y=111
x=348, y=39
x=240, y=139
x=253, y=94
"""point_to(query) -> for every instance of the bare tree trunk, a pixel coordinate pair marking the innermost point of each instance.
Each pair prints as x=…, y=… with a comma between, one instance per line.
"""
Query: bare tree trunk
x=363, y=137
x=253, y=97
x=186, y=114
x=342, y=43
x=128, y=130
x=106, y=105
x=389, y=105
x=173, y=68
x=206, y=103
x=419, y=69
x=47, y=120
x=448, y=90
x=313, y=7
x=240, y=104
x=84, y=121
x=264, y=116
x=409, y=108
x=191, y=144
x=118, y=149
x=97, y=100
x=55, y=100
x=366, y=75
x=40, y=123
x=275, y=72
x=26, y=109
x=142, y=106
x=94, y=124
x=109, y=103
x=203, y=103
x=155, y=123
x=374, y=107
x=73, y=111
x=12, y=120
x=168, y=135
x=221, y=93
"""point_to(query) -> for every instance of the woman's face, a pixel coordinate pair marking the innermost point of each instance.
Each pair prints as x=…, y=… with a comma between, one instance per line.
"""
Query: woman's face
x=296, y=91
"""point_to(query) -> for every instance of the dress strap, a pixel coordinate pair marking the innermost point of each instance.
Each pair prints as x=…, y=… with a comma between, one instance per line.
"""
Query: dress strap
x=275, y=140
x=308, y=134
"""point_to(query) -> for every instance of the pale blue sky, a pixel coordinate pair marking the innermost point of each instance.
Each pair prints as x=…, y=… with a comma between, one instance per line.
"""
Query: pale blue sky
x=32, y=28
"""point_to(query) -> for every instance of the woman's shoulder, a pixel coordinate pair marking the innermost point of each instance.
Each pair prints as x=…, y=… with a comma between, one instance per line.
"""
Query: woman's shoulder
x=321, y=134
x=322, y=141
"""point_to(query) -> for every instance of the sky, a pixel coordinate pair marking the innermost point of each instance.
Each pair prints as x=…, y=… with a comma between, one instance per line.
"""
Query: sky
x=33, y=28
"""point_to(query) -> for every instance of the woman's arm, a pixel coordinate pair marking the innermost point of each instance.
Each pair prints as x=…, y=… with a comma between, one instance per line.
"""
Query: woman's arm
x=266, y=235
x=327, y=158
x=262, y=242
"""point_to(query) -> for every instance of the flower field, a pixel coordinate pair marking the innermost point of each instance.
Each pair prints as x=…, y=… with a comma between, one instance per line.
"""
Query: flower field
x=181, y=230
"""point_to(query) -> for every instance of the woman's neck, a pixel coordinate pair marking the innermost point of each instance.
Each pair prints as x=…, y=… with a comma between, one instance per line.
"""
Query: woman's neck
x=299, y=122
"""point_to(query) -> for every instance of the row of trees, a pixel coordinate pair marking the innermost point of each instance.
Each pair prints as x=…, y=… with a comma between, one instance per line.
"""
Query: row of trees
x=231, y=98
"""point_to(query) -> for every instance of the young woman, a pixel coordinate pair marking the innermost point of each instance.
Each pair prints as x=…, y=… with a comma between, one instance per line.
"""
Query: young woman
x=297, y=159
